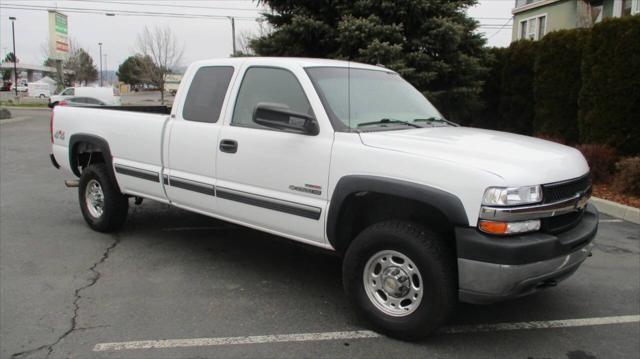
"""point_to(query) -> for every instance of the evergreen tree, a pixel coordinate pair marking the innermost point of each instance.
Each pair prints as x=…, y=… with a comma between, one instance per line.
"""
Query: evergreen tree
x=81, y=63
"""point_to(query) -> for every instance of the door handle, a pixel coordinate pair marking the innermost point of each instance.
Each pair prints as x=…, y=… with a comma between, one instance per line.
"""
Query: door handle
x=229, y=146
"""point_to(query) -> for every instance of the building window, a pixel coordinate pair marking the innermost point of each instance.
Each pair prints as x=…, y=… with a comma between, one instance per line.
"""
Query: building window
x=533, y=28
x=596, y=13
x=627, y=7
x=630, y=7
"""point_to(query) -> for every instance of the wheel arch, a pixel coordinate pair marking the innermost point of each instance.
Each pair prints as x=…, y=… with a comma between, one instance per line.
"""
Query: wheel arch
x=93, y=144
x=438, y=205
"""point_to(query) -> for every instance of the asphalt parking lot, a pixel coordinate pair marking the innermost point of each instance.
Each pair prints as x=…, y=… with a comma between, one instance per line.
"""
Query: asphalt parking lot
x=214, y=289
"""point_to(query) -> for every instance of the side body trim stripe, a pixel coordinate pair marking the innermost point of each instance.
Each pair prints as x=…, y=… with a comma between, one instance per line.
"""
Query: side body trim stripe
x=275, y=204
x=137, y=172
x=269, y=203
x=194, y=186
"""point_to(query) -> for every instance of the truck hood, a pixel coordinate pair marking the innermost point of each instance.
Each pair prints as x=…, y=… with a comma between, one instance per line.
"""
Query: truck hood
x=518, y=160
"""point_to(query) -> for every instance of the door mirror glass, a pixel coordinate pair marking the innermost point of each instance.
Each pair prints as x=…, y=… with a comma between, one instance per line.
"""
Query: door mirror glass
x=280, y=117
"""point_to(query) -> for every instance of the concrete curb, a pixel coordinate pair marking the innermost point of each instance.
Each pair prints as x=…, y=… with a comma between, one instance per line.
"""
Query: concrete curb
x=617, y=210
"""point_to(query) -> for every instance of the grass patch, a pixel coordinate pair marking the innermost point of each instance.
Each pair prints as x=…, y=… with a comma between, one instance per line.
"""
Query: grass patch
x=23, y=105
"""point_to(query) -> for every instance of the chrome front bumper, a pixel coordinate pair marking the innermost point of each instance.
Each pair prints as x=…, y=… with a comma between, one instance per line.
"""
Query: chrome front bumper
x=492, y=269
x=484, y=283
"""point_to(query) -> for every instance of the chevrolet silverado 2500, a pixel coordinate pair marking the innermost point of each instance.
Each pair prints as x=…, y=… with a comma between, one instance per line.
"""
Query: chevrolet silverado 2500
x=351, y=158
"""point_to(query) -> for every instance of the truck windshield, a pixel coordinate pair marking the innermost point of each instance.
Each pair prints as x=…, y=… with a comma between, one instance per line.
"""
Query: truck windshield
x=367, y=99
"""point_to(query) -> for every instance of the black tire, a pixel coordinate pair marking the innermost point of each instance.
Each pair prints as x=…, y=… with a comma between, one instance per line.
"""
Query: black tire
x=115, y=205
x=433, y=258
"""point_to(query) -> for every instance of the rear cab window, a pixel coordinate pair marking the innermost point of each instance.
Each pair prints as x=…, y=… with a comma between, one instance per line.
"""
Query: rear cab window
x=207, y=93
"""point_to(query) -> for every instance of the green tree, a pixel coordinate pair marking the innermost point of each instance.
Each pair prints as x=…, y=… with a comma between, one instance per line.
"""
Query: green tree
x=431, y=43
x=6, y=74
x=133, y=70
x=81, y=63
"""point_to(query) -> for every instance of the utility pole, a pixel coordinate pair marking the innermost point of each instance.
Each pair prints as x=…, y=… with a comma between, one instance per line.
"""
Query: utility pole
x=100, y=44
x=233, y=33
x=106, y=67
x=15, y=57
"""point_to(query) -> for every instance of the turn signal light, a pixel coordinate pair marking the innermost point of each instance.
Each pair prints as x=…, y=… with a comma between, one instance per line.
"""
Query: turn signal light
x=493, y=227
x=501, y=228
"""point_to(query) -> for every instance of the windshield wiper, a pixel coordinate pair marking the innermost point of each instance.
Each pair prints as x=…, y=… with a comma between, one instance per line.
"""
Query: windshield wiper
x=385, y=121
x=434, y=119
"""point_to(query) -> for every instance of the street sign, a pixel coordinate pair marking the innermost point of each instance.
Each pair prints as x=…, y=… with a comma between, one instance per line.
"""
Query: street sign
x=58, y=36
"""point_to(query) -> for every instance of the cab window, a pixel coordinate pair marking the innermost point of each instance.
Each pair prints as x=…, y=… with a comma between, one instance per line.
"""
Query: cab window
x=270, y=85
x=206, y=94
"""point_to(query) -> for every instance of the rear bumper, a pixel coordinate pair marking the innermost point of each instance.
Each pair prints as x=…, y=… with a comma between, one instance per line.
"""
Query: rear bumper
x=493, y=269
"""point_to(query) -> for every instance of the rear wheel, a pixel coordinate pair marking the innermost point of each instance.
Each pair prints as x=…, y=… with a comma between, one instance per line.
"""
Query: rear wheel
x=401, y=277
x=103, y=207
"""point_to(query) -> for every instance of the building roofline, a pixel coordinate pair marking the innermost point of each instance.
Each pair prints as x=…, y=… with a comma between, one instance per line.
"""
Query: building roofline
x=534, y=5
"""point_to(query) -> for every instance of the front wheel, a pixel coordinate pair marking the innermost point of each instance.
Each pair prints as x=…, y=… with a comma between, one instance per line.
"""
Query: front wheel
x=103, y=207
x=401, y=277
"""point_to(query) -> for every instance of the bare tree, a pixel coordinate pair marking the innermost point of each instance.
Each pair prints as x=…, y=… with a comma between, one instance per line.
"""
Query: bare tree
x=161, y=46
x=243, y=39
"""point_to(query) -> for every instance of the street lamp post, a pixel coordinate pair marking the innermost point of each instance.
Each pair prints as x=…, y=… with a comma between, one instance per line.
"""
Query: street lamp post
x=233, y=33
x=100, y=44
x=15, y=58
x=106, y=68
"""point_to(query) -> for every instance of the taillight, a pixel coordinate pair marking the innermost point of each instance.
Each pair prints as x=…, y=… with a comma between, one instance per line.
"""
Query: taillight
x=62, y=103
x=51, y=125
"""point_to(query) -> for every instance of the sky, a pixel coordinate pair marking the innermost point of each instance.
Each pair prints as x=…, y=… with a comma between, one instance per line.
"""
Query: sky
x=205, y=33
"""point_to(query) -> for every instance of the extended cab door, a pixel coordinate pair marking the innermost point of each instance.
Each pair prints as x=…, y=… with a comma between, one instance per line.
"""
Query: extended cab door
x=192, y=145
x=275, y=179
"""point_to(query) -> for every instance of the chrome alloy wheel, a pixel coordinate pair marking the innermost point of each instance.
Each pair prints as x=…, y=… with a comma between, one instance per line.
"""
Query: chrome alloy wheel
x=94, y=198
x=393, y=283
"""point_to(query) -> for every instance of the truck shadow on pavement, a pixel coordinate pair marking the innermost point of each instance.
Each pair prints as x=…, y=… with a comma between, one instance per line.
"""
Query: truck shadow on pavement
x=265, y=263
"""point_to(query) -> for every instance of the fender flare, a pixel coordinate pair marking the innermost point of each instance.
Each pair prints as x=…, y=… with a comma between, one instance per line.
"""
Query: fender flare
x=97, y=141
x=446, y=203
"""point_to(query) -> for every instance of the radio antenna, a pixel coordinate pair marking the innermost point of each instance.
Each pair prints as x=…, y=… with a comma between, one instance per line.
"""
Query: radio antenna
x=349, y=92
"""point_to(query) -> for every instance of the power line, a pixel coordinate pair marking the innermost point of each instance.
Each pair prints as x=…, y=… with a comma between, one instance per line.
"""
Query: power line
x=500, y=29
x=167, y=5
x=123, y=12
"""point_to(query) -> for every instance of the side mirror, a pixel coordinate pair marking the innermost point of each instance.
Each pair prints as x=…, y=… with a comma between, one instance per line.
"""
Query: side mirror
x=281, y=118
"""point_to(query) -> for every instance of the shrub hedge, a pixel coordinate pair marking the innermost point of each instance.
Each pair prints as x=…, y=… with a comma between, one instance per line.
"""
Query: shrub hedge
x=580, y=86
x=516, y=100
x=610, y=96
x=557, y=83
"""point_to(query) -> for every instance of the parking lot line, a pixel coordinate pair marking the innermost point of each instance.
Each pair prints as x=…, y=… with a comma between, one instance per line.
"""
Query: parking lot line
x=610, y=221
x=359, y=334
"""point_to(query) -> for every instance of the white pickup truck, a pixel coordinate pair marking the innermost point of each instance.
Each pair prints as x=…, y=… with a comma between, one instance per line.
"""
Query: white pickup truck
x=351, y=158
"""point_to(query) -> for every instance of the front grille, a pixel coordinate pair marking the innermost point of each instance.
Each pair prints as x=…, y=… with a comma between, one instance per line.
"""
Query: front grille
x=554, y=192
x=561, y=223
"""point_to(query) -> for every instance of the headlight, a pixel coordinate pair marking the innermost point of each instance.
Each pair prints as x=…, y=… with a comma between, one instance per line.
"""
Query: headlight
x=512, y=196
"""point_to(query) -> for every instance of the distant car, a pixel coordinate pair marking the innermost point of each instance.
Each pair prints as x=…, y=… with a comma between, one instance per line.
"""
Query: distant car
x=21, y=88
x=104, y=94
x=78, y=102
x=41, y=90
